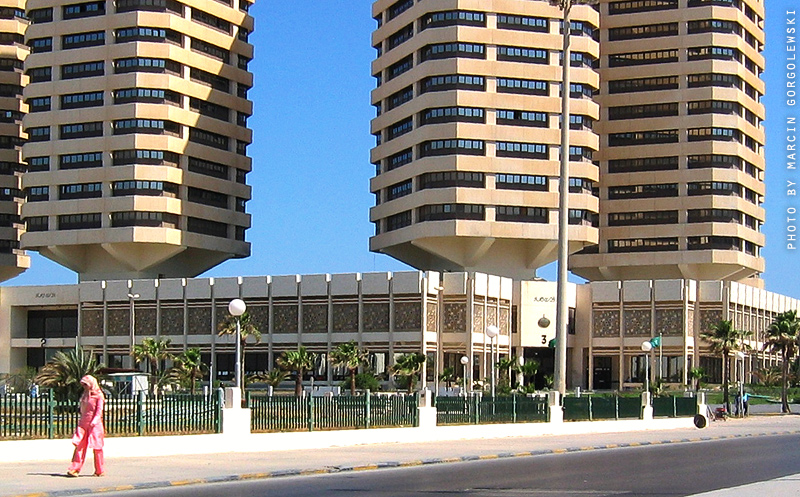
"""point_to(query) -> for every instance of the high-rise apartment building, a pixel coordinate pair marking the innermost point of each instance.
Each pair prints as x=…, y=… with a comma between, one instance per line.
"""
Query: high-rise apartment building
x=681, y=159
x=13, y=51
x=468, y=133
x=137, y=135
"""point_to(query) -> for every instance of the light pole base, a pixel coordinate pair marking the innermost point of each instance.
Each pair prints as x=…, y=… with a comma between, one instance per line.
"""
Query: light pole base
x=233, y=398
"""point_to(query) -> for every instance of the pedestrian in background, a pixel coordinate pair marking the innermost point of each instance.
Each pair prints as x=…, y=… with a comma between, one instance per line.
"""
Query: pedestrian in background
x=90, y=433
x=746, y=403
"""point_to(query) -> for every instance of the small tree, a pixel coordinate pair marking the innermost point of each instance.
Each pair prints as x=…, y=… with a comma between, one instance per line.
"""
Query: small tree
x=782, y=337
x=529, y=370
x=272, y=378
x=448, y=376
x=152, y=352
x=351, y=356
x=298, y=361
x=64, y=372
x=188, y=368
x=695, y=375
x=247, y=329
x=725, y=339
x=408, y=366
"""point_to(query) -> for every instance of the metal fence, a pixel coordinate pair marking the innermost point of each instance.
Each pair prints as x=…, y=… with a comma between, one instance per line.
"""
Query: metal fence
x=308, y=413
x=595, y=407
x=480, y=410
x=674, y=407
x=25, y=417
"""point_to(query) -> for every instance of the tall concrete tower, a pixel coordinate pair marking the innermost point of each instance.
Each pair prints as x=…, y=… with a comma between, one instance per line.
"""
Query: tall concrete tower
x=137, y=135
x=467, y=132
x=681, y=142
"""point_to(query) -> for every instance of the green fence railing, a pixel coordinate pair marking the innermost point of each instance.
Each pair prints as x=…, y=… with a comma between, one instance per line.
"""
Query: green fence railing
x=674, y=407
x=283, y=413
x=24, y=417
x=484, y=410
x=595, y=407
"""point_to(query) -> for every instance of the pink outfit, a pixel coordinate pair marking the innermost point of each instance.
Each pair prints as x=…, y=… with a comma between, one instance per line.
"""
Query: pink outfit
x=90, y=433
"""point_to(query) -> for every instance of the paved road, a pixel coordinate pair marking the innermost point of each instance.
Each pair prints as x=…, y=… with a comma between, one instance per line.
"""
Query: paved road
x=656, y=470
x=46, y=477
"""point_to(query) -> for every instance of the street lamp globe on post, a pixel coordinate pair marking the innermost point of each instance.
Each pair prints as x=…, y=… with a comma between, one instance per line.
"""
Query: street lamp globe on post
x=236, y=308
x=464, y=362
x=492, y=332
x=646, y=348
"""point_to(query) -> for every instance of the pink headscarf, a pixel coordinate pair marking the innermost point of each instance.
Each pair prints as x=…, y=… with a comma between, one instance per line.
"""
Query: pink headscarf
x=91, y=382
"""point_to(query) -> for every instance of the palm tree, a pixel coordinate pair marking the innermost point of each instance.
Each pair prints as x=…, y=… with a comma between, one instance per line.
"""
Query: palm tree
x=506, y=365
x=64, y=372
x=725, y=339
x=409, y=366
x=298, y=361
x=448, y=376
x=153, y=352
x=247, y=329
x=782, y=336
x=529, y=370
x=189, y=368
x=351, y=356
x=696, y=374
x=272, y=378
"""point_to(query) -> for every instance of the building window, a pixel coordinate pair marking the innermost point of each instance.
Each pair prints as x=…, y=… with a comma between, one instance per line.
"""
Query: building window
x=80, y=40
x=36, y=164
x=150, y=5
x=645, y=31
x=401, y=97
x=143, y=187
x=39, y=74
x=453, y=82
x=11, y=194
x=580, y=154
x=581, y=90
x=516, y=214
x=80, y=190
x=714, y=79
x=83, y=70
x=147, y=95
x=643, y=245
x=400, y=37
x=80, y=161
x=453, y=18
x=123, y=35
x=582, y=217
x=211, y=21
x=643, y=164
x=452, y=179
x=207, y=227
x=399, y=7
x=400, y=67
x=144, y=218
x=37, y=16
x=523, y=23
x=455, y=49
x=207, y=197
x=714, y=107
x=11, y=65
x=212, y=80
x=79, y=100
x=88, y=9
x=643, y=191
x=399, y=190
x=212, y=51
x=522, y=54
x=714, y=216
x=714, y=188
x=714, y=26
x=39, y=45
x=714, y=243
x=642, y=218
x=643, y=84
x=39, y=104
x=240, y=204
x=79, y=221
x=579, y=122
x=715, y=53
x=399, y=159
x=643, y=58
x=522, y=118
x=631, y=6
x=643, y=138
x=400, y=128
x=210, y=109
x=452, y=147
x=452, y=114
x=145, y=157
x=37, y=223
x=146, y=64
x=13, y=39
x=38, y=133
x=642, y=111
x=714, y=134
x=37, y=193
x=522, y=150
x=580, y=185
x=148, y=126
x=209, y=139
x=520, y=182
x=714, y=160
x=208, y=168
x=441, y=212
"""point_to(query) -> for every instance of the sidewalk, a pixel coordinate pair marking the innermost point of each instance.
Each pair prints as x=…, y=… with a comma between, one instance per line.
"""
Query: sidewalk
x=279, y=454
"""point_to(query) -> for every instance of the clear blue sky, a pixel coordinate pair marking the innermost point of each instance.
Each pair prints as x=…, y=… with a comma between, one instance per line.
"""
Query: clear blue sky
x=311, y=147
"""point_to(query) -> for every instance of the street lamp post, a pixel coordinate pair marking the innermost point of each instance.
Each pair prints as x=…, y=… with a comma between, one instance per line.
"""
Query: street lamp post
x=237, y=307
x=740, y=402
x=647, y=346
x=465, y=362
x=560, y=370
x=492, y=332
x=132, y=299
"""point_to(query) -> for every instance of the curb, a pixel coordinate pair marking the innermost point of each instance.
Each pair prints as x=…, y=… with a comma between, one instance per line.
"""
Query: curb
x=386, y=465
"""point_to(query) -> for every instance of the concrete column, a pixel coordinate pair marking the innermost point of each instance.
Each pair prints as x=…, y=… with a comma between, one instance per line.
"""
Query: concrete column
x=554, y=404
x=647, y=407
x=235, y=419
x=426, y=413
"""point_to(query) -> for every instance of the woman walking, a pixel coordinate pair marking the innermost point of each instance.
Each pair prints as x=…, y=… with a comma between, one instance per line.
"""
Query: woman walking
x=90, y=432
